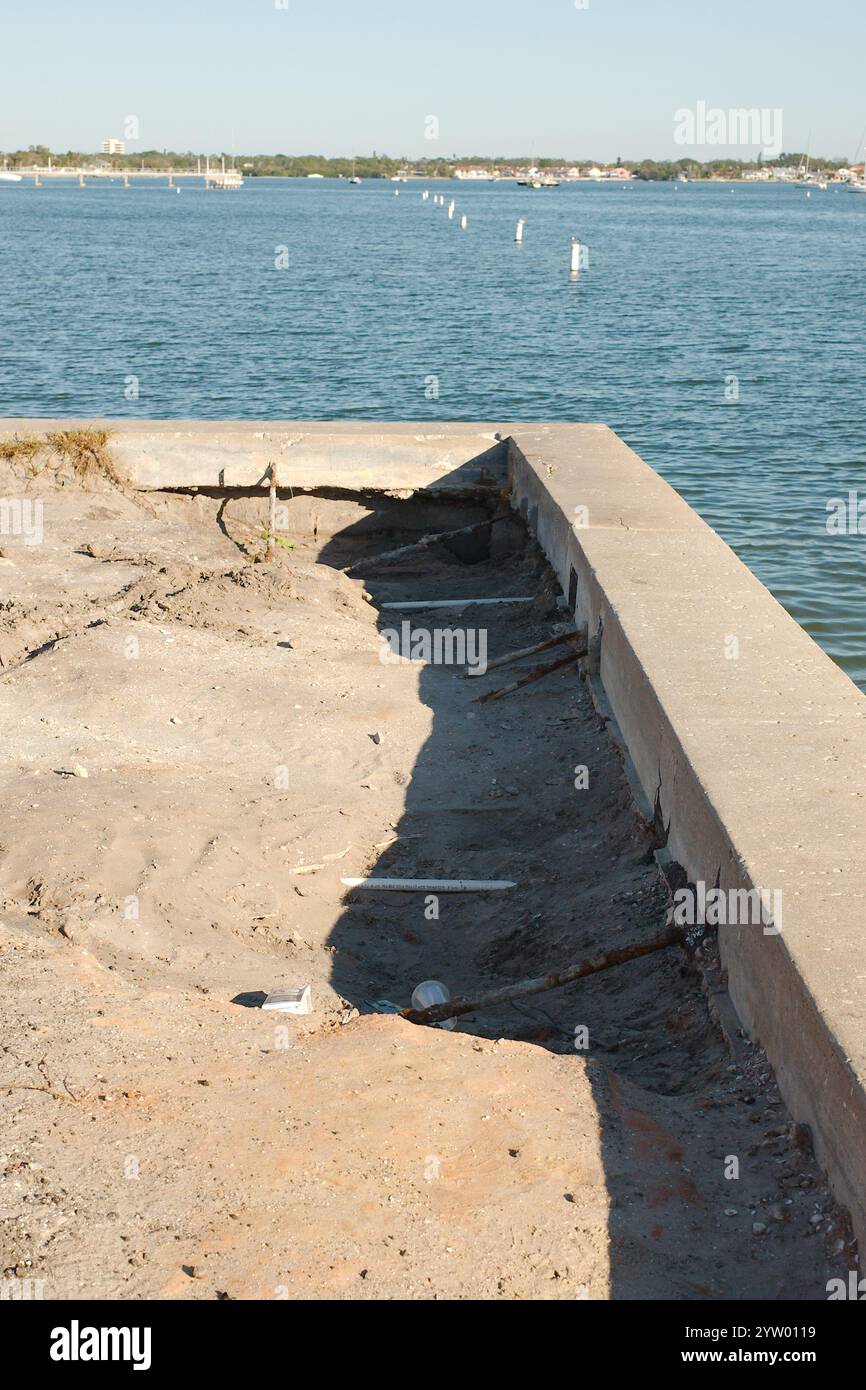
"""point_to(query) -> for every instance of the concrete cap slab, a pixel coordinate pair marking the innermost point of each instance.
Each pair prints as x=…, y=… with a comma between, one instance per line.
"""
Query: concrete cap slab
x=757, y=751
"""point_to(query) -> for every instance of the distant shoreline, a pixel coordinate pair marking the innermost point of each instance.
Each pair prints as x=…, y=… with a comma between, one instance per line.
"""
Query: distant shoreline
x=379, y=167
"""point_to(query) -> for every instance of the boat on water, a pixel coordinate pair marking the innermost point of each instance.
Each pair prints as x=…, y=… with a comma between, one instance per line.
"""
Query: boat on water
x=806, y=177
x=535, y=179
x=6, y=175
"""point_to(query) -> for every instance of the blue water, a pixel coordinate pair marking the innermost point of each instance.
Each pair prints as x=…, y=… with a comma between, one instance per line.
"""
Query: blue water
x=686, y=286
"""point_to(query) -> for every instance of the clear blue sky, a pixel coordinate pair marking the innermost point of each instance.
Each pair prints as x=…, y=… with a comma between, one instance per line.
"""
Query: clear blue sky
x=350, y=76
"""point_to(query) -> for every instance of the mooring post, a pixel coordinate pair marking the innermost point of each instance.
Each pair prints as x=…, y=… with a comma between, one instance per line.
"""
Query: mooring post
x=518, y=231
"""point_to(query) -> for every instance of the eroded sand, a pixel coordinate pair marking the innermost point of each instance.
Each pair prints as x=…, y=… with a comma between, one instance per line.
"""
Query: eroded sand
x=164, y=1137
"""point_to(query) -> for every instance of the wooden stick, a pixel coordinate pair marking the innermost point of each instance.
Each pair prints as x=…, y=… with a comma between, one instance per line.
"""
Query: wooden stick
x=525, y=651
x=437, y=1013
x=272, y=519
x=535, y=675
x=422, y=544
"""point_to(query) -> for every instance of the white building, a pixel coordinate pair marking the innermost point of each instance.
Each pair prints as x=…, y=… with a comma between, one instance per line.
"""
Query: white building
x=114, y=147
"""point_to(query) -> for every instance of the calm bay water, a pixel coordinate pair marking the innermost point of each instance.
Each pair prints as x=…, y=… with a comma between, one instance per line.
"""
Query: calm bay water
x=686, y=286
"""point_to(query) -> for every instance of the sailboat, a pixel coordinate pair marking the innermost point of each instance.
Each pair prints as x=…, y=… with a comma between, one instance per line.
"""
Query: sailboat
x=804, y=179
x=354, y=178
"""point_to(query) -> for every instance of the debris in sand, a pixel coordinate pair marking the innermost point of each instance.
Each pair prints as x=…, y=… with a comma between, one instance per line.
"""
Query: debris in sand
x=436, y=1013
x=431, y=885
x=455, y=602
x=395, y=840
x=524, y=651
x=326, y=859
x=290, y=1001
x=76, y=770
x=429, y=994
x=421, y=544
x=272, y=510
x=382, y=1006
x=535, y=675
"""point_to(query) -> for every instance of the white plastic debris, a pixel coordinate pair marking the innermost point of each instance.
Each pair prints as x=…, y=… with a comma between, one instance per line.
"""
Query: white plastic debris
x=431, y=885
x=290, y=1001
x=430, y=993
x=456, y=602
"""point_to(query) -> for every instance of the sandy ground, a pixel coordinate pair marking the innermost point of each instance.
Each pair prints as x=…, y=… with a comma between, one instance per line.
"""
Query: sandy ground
x=245, y=747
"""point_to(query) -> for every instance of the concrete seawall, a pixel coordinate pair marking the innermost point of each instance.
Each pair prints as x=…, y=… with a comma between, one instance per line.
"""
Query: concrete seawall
x=757, y=758
x=751, y=741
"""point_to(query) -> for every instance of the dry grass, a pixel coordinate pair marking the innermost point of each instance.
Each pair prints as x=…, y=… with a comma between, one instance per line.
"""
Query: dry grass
x=24, y=450
x=85, y=451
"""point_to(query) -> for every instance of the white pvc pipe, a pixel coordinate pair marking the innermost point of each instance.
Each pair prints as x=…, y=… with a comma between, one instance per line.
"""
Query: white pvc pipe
x=454, y=602
x=431, y=885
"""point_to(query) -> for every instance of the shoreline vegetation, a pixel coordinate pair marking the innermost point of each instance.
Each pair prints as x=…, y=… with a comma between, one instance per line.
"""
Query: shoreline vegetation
x=381, y=166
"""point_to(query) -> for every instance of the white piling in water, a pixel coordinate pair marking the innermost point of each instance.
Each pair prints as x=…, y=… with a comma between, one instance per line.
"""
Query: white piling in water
x=425, y=195
x=451, y=206
x=464, y=222
x=575, y=257
x=518, y=231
